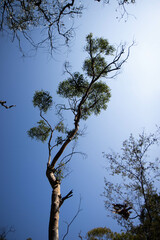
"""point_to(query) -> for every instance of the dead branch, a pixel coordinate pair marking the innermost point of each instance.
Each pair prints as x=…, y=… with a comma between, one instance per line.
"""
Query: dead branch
x=3, y=103
x=79, y=235
x=69, y=224
x=69, y=195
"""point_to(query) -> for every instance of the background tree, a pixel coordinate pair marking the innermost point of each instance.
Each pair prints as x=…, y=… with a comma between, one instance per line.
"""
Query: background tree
x=103, y=233
x=144, y=230
x=86, y=94
x=149, y=222
x=136, y=188
x=42, y=23
x=50, y=18
x=99, y=234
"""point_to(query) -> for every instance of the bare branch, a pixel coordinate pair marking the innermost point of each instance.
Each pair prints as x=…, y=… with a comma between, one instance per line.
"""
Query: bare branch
x=4, y=232
x=79, y=235
x=69, y=224
x=69, y=195
x=3, y=103
x=46, y=120
x=115, y=63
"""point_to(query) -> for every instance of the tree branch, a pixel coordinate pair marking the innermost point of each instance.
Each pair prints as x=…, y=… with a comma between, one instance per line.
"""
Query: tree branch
x=3, y=103
x=69, y=224
x=69, y=195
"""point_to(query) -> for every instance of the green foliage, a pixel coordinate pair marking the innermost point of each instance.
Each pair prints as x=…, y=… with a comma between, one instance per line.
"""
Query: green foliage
x=98, y=96
x=106, y=234
x=42, y=100
x=74, y=86
x=124, y=236
x=98, y=45
x=59, y=172
x=97, y=49
x=59, y=140
x=100, y=234
x=22, y=18
x=60, y=127
x=137, y=233
x=137, y=187
x=41, y=132
x=149, y=229
x=93, y=95
x=97, y=100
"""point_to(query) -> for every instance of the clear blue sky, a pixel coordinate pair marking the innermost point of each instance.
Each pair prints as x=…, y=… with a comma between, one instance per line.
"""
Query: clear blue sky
x=134, y=106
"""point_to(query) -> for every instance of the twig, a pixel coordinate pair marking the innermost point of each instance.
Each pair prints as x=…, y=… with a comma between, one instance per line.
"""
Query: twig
x=79, y=235
x=69, y=224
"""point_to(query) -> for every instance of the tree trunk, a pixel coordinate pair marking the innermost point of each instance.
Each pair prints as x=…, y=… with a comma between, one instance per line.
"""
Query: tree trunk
x=54, y=213
x=55, y=205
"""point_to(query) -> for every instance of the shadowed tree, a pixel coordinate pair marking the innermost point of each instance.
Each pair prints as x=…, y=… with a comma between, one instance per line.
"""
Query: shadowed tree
x=149, y=221
x=136, y=188
x=86, y=94
x=103, y=233
x=144, y=230
x=42, y=23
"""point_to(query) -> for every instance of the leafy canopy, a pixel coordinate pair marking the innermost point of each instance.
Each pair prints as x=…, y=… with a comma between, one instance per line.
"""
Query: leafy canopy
x=97, y=99
x=86, y=94
x=41, y=132
x=93, y=95
x=136, y=187
x=98, y=49
x=103, y=233
x=42, y=100
x=74, y=86
x=100, y=233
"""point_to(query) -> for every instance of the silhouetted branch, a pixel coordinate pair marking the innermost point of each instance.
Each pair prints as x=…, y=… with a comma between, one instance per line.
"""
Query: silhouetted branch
x=69, y=224
x=69, y=195
x=79, y=235
x=3, y=103
x=4, y=232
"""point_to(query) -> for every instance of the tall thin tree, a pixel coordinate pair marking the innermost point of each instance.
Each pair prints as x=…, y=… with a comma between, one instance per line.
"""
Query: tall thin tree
x=86, y=94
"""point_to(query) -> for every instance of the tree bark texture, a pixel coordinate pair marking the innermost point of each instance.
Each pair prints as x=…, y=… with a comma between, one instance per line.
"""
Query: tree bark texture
x=55, y=206
x=54, y=213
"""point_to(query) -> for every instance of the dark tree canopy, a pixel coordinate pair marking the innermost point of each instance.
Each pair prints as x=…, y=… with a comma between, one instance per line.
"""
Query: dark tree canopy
x=137, y=176
x=42, y=100
x=43, y=23
x=48, y=19
x=149, y=220
x=144, y=230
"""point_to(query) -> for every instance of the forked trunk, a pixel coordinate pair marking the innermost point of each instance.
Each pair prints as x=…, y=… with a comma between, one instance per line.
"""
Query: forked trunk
x=54, y=213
